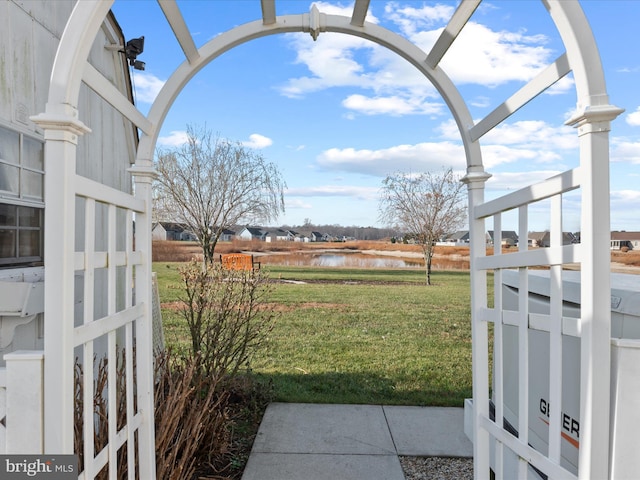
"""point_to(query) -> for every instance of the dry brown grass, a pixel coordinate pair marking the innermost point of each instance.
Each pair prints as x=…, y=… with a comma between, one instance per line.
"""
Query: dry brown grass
x=196, y=415
x=630, y=258
x=169, y=251
x=445, y=257
x=166, y=251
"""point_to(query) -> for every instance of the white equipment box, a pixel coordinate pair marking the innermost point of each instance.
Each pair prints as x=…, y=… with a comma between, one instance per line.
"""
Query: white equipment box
x=625, y=371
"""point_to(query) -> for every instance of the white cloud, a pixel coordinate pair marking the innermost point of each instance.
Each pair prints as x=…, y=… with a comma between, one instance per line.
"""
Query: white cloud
x=626, y=197
x=524, y=141
x=624, y=215
x=330, y=60
x=562, y=86
x=421, y=157
x=480, y=56
x=623, y=150
x=392, y=105
x=344, y=10
x=362, y=193
x=633, y=118
x=480, y=102
x=517, y=180
x=146, y=86
x=491, y=58
x=175, y=139
x=257, y=141
x=296, y=203
x=411, y=19
x=494, y=155
x=533, y=133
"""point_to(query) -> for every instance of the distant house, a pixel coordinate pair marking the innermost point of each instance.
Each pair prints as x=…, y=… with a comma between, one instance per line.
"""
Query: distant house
x=179, y=231
x=253, y=233
x=543, y=239
x=298, y=237
x=291, y=235
x=509, y=238
x=227, y=235
x=277, y=235
x=460, y=237
x=316, y=237
x=158, y=232
x=622, y=239
x=172, y=231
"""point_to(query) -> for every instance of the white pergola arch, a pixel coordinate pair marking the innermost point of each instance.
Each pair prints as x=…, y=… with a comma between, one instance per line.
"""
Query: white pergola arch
x=62, y=124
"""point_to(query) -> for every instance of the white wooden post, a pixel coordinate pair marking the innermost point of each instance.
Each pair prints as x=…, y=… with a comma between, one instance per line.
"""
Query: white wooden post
x=61, y=130
x=475, y=180
x=144, y=174
x=25, y=402
x=593, y=129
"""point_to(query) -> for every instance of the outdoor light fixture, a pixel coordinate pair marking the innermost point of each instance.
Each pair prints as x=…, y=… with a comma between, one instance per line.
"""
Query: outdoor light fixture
x=135, y=47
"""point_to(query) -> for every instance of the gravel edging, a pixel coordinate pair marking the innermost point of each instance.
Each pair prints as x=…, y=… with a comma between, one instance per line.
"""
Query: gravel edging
x=437, y=468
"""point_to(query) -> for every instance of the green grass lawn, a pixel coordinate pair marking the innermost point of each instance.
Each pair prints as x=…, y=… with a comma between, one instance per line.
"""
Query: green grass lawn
x=359, y=335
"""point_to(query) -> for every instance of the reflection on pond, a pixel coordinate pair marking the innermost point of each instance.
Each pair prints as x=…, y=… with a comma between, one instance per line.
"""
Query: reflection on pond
x=356, y=260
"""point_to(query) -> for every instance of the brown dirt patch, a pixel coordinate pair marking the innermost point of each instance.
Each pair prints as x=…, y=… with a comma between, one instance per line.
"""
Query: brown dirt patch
x=278, y=307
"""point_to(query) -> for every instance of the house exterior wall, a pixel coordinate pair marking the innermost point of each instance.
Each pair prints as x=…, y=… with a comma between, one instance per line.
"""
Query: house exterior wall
x=227, y=236
x=245, y=234
x=158, y=232
x=29, y=37
x=630, y=240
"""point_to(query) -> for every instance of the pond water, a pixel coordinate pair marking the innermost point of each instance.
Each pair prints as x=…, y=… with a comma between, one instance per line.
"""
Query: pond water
x=356, y=260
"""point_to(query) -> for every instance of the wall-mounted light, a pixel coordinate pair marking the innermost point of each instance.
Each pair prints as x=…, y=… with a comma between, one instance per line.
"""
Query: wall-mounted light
x=135, y=47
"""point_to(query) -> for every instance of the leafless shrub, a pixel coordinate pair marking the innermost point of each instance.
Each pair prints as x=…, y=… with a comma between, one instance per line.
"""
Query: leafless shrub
x=227, y=315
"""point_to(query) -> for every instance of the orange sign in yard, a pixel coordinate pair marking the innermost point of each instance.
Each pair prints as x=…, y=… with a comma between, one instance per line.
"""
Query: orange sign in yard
x=237, y=261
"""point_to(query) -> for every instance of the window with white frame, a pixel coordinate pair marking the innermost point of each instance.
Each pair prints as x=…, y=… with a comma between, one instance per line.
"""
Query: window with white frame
x=21, y=199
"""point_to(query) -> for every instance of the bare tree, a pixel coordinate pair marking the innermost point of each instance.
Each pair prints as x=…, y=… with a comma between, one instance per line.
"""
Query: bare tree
x=211, y=184
x=426, y=206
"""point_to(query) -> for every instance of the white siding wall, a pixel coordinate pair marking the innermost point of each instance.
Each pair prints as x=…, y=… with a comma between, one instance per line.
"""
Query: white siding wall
x=29, y=35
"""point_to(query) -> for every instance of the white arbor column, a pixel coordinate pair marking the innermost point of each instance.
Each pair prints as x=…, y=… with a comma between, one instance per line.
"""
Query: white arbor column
x=144, y=174
x=475, y=180
x=593, y=125
x=61, y=131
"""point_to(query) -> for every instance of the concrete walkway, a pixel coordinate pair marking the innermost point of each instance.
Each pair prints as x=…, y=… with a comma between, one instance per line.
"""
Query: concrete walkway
x=351, y=442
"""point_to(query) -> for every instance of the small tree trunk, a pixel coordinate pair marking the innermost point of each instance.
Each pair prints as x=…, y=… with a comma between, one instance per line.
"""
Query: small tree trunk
x=208, y=252
x=428, y=255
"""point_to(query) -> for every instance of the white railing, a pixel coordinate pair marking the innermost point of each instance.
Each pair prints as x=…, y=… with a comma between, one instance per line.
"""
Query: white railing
x=112, y=321
x=554, y=257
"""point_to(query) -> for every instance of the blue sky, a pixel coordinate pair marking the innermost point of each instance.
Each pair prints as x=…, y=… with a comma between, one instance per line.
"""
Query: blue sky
x=339, y=114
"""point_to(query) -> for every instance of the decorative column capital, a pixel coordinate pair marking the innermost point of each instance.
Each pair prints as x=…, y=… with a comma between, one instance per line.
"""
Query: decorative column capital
x=143, y=173
x=61, y=126
x=475, y=177
x=594, y=118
